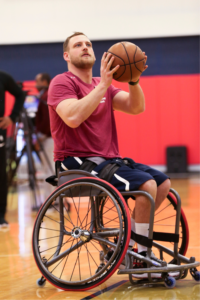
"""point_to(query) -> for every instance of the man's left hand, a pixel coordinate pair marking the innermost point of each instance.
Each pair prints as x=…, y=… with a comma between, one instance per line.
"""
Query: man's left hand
x=5, y=122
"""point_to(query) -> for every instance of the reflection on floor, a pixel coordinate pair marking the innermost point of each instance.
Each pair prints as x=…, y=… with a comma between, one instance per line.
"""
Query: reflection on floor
x=19, y=273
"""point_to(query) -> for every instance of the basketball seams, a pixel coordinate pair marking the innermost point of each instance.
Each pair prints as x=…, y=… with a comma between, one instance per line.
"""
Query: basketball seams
x=128, y=59
x=120, y=65
x=134, y=55
x=124, y=61
x=118, y=57
x=137, y=68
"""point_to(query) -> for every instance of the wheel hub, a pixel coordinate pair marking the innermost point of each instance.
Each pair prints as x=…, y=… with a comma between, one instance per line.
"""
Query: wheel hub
x=84, y=235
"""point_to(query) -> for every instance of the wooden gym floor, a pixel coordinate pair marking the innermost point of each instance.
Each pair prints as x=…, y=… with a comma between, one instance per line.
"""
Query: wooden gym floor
x=18, y=271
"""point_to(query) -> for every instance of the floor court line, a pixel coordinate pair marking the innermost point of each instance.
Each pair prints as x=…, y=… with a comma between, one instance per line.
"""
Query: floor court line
x=104, y=290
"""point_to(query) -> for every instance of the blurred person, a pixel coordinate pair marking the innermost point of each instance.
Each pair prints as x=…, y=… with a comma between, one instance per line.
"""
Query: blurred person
x=42, y=124
x=8, y=84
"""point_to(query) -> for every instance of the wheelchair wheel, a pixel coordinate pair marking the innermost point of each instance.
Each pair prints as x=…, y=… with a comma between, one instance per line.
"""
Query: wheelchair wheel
x=164, y=221
x=69, y=247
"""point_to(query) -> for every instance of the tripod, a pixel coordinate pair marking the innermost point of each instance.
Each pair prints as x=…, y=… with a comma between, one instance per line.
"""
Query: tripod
x=13, y=160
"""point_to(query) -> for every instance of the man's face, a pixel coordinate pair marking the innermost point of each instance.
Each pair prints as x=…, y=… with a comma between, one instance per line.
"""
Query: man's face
x=40, y=84
x=80, y=52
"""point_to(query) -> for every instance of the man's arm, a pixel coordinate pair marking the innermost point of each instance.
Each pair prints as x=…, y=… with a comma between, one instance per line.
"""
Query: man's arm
x=73, y=112
x=11, y=86
x=132, y=102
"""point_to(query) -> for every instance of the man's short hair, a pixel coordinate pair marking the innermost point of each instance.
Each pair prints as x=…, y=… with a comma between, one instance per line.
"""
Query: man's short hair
x=45, y=76
x=66, y=42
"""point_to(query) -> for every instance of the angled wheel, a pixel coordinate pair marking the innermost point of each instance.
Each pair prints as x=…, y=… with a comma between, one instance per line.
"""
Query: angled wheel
x=164, y=221
x=69, y=247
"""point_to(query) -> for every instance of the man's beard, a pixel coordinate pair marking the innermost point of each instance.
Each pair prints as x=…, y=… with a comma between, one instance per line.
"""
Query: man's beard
x=83, y=64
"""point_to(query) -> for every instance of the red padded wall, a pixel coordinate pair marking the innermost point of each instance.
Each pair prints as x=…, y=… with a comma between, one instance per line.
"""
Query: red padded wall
x=171, y=118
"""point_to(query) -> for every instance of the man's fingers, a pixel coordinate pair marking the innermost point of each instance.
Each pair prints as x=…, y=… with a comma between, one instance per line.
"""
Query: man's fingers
x=103, y=57
x=108, y=57
x=115, y=69
x=109, y=64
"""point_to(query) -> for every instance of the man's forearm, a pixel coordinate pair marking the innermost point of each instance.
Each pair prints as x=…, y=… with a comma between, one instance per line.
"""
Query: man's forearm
x=136, y=99
x=79, y=111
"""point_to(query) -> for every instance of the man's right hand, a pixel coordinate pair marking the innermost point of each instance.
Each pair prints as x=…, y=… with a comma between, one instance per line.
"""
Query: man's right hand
x=106, y=73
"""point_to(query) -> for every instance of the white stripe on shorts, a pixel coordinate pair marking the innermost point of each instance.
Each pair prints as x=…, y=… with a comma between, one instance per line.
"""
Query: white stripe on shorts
x=78, y=160
x=63, y=166
x=126, y=182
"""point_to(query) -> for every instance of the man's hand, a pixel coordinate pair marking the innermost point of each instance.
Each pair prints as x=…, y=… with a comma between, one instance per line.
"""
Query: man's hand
x=106, y=73
x=144, y=67
x=5, y=122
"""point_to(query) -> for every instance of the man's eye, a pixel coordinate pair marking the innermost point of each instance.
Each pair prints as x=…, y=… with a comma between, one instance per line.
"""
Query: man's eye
x=89, y=45
x=77, y=45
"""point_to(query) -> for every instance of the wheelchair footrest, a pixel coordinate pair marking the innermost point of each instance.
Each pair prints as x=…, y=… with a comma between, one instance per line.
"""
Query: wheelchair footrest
x=159, y=269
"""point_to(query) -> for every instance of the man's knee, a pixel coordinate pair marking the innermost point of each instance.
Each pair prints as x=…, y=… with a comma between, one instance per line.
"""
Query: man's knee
x=166, y=184
x=164, y=187
x=150, y=187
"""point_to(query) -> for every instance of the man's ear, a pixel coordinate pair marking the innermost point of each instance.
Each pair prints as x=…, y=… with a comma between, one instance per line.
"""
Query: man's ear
x=66, y=56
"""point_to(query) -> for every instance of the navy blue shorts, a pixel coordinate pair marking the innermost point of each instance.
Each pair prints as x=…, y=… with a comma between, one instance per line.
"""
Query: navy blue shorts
x=126, y=178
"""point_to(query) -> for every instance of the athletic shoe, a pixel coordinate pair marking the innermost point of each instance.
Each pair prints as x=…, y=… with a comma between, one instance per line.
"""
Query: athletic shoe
x=3, y=223
x=138, y=264
x=110, y=253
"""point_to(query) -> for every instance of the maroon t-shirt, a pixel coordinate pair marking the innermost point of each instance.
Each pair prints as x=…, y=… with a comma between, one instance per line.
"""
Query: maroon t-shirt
x=96, y=136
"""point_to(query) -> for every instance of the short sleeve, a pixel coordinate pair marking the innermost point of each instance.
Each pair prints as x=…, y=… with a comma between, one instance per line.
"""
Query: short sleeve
x=61, y=88
x=114, y=91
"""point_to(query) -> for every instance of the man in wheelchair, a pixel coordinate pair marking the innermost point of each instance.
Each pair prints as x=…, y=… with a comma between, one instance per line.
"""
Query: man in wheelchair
x=84, y=131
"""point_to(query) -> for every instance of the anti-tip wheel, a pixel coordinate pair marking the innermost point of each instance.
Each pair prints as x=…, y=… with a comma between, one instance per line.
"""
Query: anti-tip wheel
x=196, y=276
x=41, y=283
x=170, y=282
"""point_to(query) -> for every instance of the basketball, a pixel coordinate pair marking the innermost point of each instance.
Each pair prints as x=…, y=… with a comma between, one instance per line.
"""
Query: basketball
x=131, y=60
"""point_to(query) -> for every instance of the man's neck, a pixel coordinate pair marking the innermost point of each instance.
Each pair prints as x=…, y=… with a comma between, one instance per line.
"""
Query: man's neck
x=84, y=74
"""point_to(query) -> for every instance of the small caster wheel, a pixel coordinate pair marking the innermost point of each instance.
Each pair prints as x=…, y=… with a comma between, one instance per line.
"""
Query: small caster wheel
x=41, y=282
x=196, y=276
x=170, y=282
x=99, y=268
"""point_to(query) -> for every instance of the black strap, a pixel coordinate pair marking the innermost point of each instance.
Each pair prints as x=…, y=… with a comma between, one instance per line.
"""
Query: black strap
x=142, y=240
x=157, y=236
x=166, y=237
x=88, y=166
x=128, y=160
x=108, y=171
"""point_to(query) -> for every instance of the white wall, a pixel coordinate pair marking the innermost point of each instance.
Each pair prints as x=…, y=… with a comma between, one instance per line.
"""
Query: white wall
x=35, y=21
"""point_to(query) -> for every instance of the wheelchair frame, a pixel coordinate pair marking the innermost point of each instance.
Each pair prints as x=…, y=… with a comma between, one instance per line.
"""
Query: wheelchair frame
x=189, y=263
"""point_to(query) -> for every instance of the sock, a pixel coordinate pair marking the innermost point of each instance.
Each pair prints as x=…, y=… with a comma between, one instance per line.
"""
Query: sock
x=142, y=229
x=132, y=242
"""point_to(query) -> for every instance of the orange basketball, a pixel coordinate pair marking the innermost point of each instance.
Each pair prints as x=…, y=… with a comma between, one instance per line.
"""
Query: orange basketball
x=131, y=60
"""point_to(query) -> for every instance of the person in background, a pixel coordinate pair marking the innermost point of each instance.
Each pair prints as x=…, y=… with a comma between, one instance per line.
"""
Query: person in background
x=7, y=84
x=43, y=130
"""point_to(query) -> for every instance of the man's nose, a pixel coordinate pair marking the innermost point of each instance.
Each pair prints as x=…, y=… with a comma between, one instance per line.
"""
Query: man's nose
x=85, y=47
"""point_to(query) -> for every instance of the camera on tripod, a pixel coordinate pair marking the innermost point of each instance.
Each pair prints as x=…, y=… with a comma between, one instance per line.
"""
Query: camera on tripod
x=24, y=140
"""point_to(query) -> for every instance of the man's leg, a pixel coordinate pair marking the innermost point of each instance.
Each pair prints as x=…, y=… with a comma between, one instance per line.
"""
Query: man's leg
x=162, y=192
x=141, y=214
x=143, y=207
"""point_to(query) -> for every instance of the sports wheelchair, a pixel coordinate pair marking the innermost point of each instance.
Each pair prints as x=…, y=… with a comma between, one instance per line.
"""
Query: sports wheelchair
x=70, y=247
